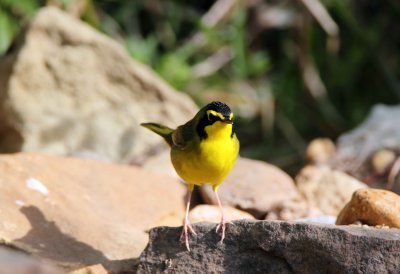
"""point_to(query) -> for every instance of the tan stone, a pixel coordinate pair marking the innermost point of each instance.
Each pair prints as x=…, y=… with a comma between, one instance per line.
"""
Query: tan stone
x=160, y=163
x=382, y=160
x=172, y=219
x=78, y=212
x=67, y=89
x=326, y=189
x=372, y=207
x=292, y=210
x=320, y=150
x=93, y=269
x=254, y=186
x=212, y=214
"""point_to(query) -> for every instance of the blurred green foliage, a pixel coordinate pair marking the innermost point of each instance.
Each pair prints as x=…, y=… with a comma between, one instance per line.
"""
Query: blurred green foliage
x=288, y=76
x=13, y=14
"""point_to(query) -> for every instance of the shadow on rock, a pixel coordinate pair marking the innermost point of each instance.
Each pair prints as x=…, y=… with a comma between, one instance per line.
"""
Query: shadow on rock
x=47, y=241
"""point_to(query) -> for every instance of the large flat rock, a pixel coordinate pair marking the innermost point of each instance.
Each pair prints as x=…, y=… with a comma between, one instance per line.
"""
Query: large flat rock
x=274, y=247
x=76, y=212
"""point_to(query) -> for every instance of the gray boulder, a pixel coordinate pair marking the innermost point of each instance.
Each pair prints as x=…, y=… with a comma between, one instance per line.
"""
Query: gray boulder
x=67, y=89
x=357, y=149
x=274, y=247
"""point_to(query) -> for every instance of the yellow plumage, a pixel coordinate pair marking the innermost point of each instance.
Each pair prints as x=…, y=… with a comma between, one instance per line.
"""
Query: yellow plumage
x=209, y=161
x=203, y=151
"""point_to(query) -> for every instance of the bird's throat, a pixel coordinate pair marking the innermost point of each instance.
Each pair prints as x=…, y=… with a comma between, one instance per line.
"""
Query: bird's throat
x=219, y=130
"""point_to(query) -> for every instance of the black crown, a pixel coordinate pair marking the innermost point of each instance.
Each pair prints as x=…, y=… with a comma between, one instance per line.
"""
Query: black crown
x=219, y=107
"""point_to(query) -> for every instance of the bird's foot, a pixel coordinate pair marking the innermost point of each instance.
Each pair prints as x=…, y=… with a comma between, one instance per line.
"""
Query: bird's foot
x=185, y=233
x=222, y=226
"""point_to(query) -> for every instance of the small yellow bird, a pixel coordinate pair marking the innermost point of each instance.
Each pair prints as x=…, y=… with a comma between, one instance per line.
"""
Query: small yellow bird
x=203, y=151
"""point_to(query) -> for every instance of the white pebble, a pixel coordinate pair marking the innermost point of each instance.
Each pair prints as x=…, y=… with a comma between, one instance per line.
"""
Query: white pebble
x=19, y=202
x=37, y=185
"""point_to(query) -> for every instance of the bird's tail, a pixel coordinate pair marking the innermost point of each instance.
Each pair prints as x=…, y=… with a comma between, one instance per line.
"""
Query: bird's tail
x=161, y=130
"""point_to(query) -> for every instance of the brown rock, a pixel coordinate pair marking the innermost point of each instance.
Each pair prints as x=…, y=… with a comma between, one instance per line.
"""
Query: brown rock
x=93, y=269
x=254, y=186
x=382, y=160
x=320, y=151
x=160, y=163
x=13, y=261
x=372, y=207
x=67, y=89
x=171, y=219
x=78, y=212
x=326, y=189
x=212, y=214
x=292, y=210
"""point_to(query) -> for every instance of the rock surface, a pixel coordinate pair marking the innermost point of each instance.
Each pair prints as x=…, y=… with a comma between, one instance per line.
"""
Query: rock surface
x=372, y=207
x=327, y=189
x=292, y=210
x=274, y=247
x=212, y=214
x=13, y=261
x=67, y=89
x=93, y=269
x=320, y=151
x=160, y=163
x=77, y=212
x=380, y=130
x=255, y=187
x=382, y=160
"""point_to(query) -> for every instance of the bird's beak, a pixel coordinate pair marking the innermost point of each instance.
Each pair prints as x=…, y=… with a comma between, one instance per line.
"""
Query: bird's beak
x=227, y=121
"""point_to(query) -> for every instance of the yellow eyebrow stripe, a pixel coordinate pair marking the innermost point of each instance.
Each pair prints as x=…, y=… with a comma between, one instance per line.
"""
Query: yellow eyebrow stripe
x=212, y=112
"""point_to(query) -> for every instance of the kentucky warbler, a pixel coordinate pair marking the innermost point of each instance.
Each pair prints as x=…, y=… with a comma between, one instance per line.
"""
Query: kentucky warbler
x=203, y=151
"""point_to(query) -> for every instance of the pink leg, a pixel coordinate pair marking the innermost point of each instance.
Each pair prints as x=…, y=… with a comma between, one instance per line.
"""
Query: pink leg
x=186, y=224
x=222, y=223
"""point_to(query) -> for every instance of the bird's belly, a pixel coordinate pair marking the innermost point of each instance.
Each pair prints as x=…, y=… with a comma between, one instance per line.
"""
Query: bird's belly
x=209, y=163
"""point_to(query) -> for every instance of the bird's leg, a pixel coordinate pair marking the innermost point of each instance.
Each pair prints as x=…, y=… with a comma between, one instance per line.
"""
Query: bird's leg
x=223, y=222
x=186, y=224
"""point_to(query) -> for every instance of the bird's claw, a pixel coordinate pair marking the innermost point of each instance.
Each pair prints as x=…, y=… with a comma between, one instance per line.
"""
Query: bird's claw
x=185, y=233
x=192, y=230
x=221, y=226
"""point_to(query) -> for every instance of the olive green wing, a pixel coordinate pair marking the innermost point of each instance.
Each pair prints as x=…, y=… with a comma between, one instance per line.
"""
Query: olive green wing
x=161, y=130
x=184, y=136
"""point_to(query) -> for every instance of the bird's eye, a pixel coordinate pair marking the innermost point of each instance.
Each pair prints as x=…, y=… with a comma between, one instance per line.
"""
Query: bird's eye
x=212, y=117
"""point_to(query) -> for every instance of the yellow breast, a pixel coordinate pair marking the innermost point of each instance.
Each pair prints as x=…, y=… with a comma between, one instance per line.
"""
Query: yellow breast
x=211, y=159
